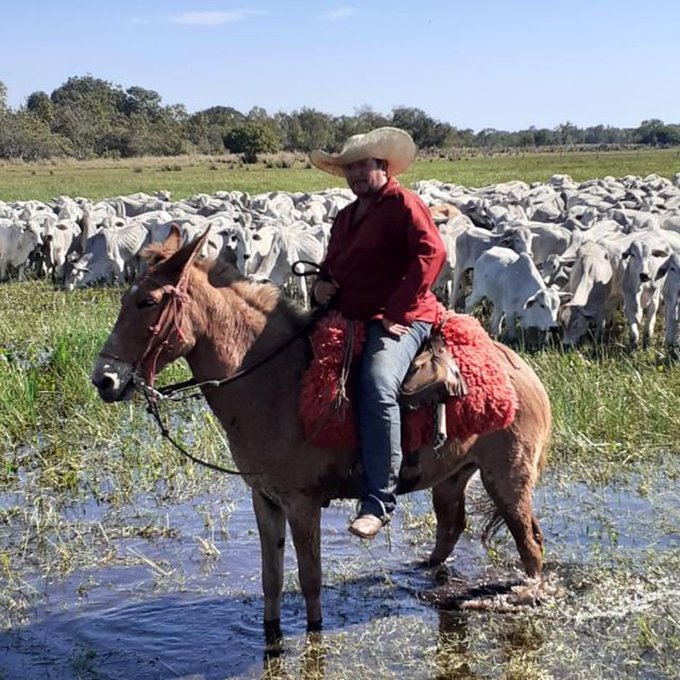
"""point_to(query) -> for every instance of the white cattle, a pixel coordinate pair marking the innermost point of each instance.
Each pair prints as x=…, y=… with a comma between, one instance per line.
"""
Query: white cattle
x=111, y=255
x=289, y=244
x=548, y=239
x=17, y=242
x=473, y=242
x=57, y=242
x=233, y=241
x=450, y=231
x=590, y=290
x=93, y=266
x=641, y=288
x=670, y=293
x=513, y=285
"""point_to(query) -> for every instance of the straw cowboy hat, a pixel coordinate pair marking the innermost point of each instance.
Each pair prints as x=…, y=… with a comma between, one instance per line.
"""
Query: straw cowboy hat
x=387, y=143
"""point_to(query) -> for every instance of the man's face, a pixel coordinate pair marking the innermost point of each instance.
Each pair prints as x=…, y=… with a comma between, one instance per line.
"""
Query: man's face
x=366, y=177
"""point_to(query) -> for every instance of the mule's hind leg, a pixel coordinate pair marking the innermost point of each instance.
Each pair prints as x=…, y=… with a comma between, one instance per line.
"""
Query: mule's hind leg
x=271, y=524
x=511, y=491
x=448, y=499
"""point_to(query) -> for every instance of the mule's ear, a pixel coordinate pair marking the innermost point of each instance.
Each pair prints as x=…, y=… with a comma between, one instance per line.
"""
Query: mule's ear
x=182, y=260
x=160, y=251
x=174, y=241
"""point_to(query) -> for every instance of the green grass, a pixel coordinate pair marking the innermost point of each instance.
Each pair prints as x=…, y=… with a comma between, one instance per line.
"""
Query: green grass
x=50, y=415
x=607, y=403
x=189, y=175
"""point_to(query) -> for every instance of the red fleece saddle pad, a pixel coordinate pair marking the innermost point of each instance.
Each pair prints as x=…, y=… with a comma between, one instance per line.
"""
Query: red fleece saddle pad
x=490, y=404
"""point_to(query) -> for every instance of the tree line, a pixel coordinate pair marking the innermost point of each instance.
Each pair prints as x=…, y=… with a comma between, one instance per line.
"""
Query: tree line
x=88, y=117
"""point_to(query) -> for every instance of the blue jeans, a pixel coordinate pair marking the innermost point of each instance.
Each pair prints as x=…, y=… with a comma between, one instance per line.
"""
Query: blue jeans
x=385, y=360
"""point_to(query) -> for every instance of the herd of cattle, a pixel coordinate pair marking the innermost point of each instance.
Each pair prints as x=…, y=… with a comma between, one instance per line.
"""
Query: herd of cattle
x=558, y=254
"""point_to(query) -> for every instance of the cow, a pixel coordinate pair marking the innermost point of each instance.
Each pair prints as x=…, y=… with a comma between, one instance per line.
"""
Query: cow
x=17, y=242
x=670, y=294
x=473, y=242
x=641, y=288
x=111, y=256
x=589, y=287
x=513, y=285
x=57, y=242
x=287, y=245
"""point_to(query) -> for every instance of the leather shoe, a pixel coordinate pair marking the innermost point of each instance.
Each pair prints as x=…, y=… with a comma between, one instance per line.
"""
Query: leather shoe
x=366, y=526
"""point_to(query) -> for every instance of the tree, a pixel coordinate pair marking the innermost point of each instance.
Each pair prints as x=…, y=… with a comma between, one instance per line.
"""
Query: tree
x=567, y=133
x=86, y=110
x=367, y=119
x=311, y=129
x=426, y=131
x=40, y=104
x=655, y=132
x=141, y=100
x=258, y=115
x=251, y=139
x=24, y=135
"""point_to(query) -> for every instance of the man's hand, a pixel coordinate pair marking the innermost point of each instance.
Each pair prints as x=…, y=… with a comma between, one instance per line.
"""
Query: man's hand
x=394, y=328
x=324, y=291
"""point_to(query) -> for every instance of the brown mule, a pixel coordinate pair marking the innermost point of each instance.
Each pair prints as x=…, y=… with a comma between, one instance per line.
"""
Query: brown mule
x=221, y=322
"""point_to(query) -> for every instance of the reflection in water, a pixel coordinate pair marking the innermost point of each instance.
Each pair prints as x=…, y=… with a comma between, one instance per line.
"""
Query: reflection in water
x=453, y=647
x=312, y=661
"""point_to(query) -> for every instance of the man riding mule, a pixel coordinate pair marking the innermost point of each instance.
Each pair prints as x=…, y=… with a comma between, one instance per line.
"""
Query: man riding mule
x=221, y=324
x=384, y=254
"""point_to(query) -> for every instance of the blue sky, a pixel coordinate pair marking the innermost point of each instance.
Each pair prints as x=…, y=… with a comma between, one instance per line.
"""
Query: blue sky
x=480, y=63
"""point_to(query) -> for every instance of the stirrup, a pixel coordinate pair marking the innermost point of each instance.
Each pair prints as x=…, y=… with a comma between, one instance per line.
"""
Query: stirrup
x=384, y=517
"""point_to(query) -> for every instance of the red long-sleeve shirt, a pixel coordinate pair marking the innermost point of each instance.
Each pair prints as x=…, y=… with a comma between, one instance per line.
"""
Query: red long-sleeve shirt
x=386, y=263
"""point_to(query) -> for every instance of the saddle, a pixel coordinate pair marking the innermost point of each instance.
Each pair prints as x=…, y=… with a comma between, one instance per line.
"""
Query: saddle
x=464, y=385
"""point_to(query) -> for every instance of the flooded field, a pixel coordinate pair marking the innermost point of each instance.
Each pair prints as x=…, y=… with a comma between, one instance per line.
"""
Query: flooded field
x=168, y=586
x=118, y=560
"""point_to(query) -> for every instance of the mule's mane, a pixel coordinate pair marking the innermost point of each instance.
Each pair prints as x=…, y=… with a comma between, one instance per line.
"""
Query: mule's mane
x=261, y=296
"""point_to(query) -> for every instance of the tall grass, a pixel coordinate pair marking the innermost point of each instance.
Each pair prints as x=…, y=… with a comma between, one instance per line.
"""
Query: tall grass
x=608, y=405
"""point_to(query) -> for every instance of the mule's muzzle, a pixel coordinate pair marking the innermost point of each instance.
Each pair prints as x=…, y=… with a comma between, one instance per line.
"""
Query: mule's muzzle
x=113, y=380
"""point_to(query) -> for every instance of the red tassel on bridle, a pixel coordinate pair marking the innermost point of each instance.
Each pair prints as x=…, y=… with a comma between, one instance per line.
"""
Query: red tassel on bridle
x=165, y=332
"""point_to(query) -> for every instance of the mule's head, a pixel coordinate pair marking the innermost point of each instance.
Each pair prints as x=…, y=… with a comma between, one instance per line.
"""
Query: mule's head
x=152, y=328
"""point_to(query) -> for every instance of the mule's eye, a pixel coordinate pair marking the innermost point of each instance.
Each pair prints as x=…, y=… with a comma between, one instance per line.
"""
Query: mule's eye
x=147, y=302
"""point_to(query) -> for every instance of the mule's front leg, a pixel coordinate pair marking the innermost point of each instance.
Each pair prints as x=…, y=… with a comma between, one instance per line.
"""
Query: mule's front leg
x=271, y=524
x=305, y=525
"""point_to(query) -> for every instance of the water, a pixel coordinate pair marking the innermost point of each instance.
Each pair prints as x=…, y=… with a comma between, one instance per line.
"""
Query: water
x=173, y=591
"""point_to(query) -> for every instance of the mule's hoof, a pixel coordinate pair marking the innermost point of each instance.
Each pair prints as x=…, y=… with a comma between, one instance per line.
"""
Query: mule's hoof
x=366, y=526
x=272, y=632
x=315, y=626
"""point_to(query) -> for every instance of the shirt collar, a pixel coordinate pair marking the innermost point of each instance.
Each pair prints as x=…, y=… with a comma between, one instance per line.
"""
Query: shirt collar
x=388, y=189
